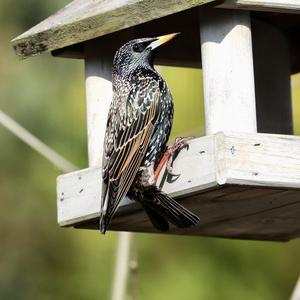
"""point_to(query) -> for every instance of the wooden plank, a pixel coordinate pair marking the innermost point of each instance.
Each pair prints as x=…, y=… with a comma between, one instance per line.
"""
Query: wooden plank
x=78, y=200
x=277, y=223
x=220, y=179
x=98, y=98
x=286, y=6
x=263, y=160
x=229, y=92
x=230, y=211
x=83, y=20
x=187, y=22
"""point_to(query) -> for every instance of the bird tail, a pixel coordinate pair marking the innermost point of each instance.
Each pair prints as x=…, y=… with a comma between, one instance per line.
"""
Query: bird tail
x=162, y=209
x=102, y=224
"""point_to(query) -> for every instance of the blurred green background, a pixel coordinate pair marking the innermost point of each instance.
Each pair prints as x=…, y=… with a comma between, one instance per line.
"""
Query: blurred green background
x=39, y=260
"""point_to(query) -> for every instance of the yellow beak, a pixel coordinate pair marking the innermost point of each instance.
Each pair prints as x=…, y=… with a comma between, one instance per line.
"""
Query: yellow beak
x=162, y=40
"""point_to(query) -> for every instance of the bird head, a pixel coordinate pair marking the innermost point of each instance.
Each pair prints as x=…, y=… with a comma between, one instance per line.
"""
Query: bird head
x=137, y=54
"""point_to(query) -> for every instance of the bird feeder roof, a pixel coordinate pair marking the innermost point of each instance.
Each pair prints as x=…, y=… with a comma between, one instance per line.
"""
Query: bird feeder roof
x=82, y=20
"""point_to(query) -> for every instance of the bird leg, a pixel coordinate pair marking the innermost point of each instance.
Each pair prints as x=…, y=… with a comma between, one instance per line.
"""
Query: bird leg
x=170, y=155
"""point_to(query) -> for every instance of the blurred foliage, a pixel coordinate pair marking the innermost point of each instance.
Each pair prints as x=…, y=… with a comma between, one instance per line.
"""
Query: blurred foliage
x=39, y=260
x=187, y=121
x=296, y=102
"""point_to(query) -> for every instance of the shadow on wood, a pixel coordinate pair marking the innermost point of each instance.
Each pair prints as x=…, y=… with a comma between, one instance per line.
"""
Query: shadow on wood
x=240, y=185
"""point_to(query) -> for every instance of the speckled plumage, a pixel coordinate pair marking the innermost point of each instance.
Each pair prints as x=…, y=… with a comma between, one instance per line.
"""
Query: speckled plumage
x=138, y=127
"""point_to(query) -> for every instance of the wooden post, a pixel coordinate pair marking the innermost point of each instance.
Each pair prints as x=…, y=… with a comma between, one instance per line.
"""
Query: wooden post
x=296, y=292
x=227, y=64
x=125, y=269
x=272, y=70
x=98, y=68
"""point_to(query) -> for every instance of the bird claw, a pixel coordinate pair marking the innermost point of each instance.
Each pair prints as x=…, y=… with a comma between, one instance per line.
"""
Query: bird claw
x=179, y=144
x=170, y=156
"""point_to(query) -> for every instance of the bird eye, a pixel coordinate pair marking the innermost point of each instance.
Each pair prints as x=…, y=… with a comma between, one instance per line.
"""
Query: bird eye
x=138, y=47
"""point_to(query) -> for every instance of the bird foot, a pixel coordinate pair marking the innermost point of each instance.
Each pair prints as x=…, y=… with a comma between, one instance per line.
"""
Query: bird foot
x=170, y=155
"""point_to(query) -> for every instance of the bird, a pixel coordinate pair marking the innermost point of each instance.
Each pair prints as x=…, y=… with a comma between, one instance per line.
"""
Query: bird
x=138, y=127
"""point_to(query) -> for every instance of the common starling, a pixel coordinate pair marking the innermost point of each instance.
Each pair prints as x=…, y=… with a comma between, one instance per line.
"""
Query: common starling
x=138, y=127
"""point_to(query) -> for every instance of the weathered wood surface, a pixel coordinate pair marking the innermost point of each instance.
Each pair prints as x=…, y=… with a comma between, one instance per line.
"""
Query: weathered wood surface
x=229, y=92
x=187, y=22
x=82, y=20
x=240, y=185
x=261, y=160
x=231, y=211
x=287, y=6
x=98, y=99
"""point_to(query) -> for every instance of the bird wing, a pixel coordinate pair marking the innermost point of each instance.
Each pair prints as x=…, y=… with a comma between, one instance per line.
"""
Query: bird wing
x=129, y=128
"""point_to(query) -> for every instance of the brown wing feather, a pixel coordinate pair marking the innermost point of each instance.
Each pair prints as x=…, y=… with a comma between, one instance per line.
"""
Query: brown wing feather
x=129, y=129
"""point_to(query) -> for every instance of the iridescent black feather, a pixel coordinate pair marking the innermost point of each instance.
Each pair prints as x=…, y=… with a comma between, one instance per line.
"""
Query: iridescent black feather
x=138, y=127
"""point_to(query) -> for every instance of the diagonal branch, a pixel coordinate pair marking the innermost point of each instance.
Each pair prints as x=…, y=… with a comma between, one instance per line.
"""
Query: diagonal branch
x=28, y=138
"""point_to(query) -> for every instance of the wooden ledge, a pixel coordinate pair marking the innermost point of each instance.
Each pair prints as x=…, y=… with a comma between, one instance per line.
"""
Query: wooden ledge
x=82, y=20
x=240, y=185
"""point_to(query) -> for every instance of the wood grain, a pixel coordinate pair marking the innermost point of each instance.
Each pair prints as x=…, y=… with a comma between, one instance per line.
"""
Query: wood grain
x=65, y=32
x=98, y=98
x=82, y=20
x=240, y=185
x=231, y=212
x=287, y=6
x=184, y=51
x=228, y=84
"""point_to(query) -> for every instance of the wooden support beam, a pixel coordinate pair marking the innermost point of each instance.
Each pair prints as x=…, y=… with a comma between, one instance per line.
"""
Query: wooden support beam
x=82, y=20
x=228, y=76
x=272, y=68
x=98, y=68
x=286, y=6
x=241, y=185
x=176, y=54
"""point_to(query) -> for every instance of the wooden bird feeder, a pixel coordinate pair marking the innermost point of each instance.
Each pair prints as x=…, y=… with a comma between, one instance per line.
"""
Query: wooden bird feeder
x=243, y=177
